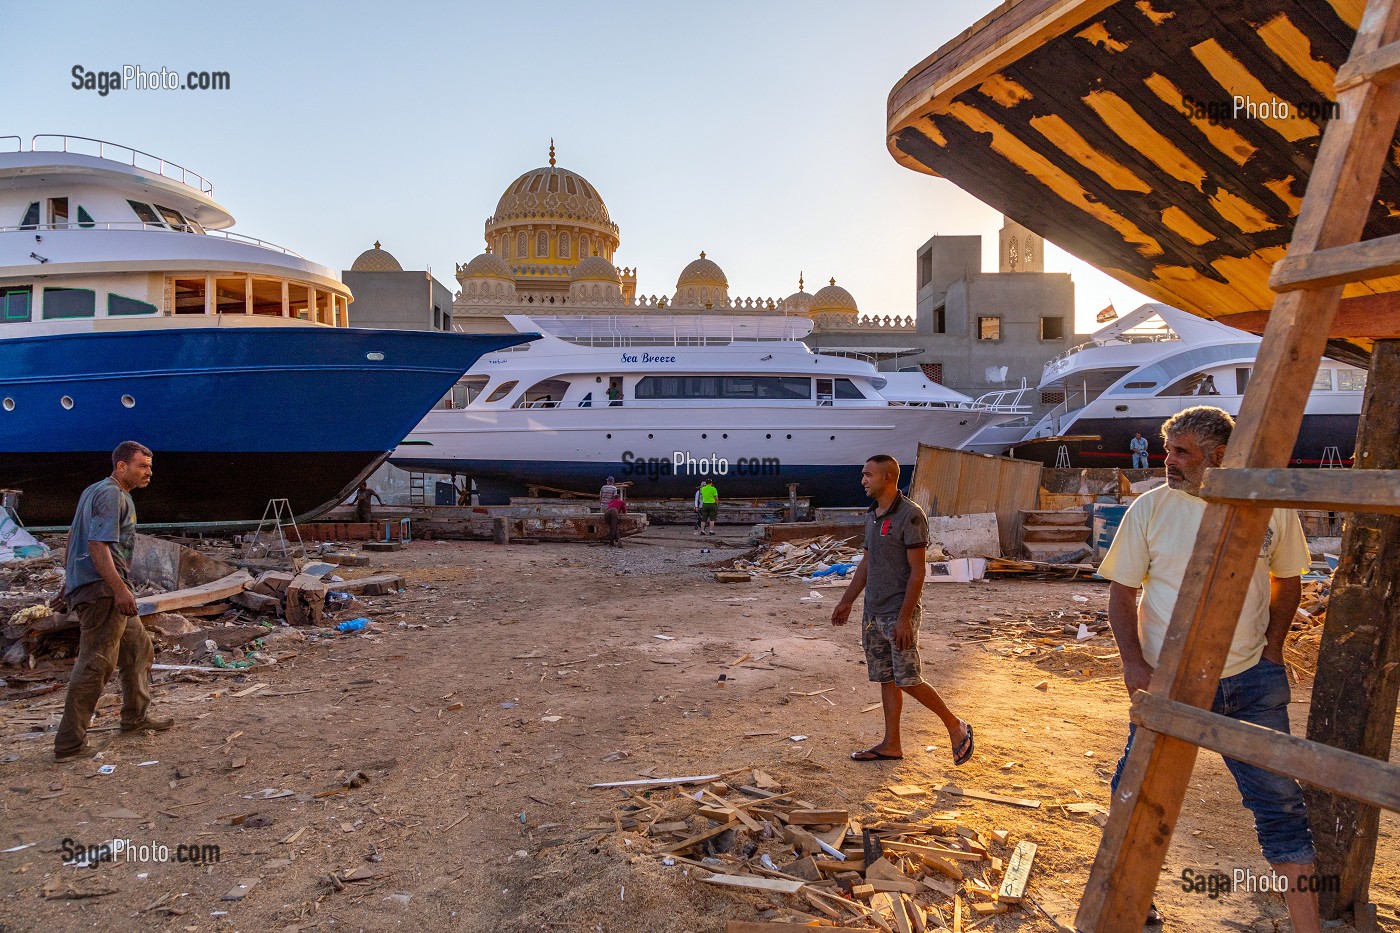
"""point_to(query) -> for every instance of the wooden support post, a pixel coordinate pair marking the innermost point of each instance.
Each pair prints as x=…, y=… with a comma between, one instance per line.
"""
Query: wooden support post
x=1358, y=664
x=500, y=530
x=792, y=502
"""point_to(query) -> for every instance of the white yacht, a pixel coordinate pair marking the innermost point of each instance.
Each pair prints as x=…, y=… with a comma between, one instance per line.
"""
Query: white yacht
x=1143, y=368
x=667, y=401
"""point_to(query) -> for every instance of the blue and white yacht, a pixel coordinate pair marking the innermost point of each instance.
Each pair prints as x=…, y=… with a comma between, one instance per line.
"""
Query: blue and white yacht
x=129, y=311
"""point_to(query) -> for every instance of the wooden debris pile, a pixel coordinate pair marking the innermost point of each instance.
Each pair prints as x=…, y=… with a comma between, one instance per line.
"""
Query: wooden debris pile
x=1305, y=636
x=1035, y=569
x=743, y=830
x=798, y=558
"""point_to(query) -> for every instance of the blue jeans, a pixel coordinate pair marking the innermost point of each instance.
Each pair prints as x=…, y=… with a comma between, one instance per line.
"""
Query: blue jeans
x=1260, y=695
x=1139, y=461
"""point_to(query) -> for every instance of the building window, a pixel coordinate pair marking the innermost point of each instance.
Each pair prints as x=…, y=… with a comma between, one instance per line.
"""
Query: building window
x=1322, y=382
x=120, y=305
x=1051, y=398
x=522, y=245
x=1028, y=256
x=1052, y=328
x=1351, y=380
x=1011, y=256
x=564, y=246
x=925, y=268
x=69, y=302
x=583, y=243
x=14, y=305
x=542, y=245
x=933, y=372
x=989, y=328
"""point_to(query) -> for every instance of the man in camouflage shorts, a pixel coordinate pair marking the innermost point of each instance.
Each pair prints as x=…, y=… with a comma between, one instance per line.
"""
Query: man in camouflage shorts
x=892, y=576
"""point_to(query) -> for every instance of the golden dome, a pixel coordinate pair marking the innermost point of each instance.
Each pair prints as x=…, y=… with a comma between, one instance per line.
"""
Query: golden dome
x=595, y=269
x=799, y=302
x=833, y=299
x=555, y=194
x=375, y=260
x=702, y=271
x=487, y=265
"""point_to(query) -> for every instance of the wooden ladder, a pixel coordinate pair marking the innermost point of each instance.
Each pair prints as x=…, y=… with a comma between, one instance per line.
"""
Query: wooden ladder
x=1173, y=718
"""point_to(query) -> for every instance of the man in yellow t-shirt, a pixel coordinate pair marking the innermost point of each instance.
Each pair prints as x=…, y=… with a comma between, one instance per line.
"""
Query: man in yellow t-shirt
x=1148, y=558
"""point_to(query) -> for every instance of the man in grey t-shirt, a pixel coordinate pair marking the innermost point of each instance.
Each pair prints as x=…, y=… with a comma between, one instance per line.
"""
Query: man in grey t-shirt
x=100, y=543
x=892, y=576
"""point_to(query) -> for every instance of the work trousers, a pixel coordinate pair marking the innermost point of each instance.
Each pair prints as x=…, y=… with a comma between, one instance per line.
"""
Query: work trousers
x=107, y=641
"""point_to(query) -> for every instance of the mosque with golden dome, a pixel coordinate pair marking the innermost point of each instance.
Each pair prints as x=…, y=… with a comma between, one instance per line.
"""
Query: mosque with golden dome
x=551, y=242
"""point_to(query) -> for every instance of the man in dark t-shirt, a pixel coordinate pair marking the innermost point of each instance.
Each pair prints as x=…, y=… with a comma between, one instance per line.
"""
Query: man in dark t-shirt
x=96, y=587
x=892, y=575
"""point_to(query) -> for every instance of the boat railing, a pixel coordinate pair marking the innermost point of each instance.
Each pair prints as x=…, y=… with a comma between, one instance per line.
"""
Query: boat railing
x=126, y=155
x=5, y=147
x=149, y=228
x=1118, y=341
x=1004, y=402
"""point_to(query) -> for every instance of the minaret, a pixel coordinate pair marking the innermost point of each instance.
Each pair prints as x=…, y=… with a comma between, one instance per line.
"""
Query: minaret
x=1020, y=249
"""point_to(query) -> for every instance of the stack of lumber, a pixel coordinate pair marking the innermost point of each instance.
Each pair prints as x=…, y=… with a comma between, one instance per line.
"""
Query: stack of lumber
x=798, y=558
x=1034, y=569
x=893, y=873
x=1305, y=636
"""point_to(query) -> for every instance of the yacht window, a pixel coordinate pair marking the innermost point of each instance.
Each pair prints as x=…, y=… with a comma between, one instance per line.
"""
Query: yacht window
x=69, y=302
x=121, y=305
x=847, y=389
x=1052, y=328
x=989, y=328
x=174, y=218
x=501, y=391
x=1351, y=380
x=299, y=301
x=231, y=296
x=724, y=387
x=146, y=215
x=85, y=219
x=467, y=391
x=58, y=212
x=31, y=217
x=1194, y=384
x=14, y=304
x=189, y=296
x=1323, y=382
x=1242, y=379
x=267, y=297
x=1139, y=385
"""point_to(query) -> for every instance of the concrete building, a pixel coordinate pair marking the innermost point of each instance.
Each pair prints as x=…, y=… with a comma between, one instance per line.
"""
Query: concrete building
x=386, y=296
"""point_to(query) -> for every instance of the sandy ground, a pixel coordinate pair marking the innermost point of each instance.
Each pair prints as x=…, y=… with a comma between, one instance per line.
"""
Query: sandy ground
x=479, y=818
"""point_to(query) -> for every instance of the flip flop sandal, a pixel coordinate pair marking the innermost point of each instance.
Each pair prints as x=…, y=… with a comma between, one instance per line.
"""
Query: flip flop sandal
x=963, y=752
x=871, y=755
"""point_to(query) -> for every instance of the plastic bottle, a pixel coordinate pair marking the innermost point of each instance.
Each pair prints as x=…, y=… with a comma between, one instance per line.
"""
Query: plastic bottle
x=353, y=625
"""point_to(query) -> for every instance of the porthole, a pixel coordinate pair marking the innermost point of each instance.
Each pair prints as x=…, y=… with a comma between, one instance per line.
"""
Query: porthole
x=1120, y=407
x=9, y=404
x=768, y=437
x=609, y=437
x=703, y=436
x=650, y=436
x=833, y=437
x=128, y=401
x=66, y=402
x=789, y=437
x=725, y=436
x=374, y=355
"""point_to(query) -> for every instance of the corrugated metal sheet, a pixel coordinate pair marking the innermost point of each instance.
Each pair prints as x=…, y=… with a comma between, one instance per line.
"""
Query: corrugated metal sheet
x=956, y=482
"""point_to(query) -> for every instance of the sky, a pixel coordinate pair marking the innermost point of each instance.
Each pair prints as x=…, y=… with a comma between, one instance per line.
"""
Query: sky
x=754, y=131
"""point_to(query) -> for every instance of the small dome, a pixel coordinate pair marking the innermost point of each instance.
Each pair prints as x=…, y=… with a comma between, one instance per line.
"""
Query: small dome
x=833, y=299
x=702, y=271
x=595, y=269
x=486, y=266
x=799, y=302
x=551, y=193
x=376, y=260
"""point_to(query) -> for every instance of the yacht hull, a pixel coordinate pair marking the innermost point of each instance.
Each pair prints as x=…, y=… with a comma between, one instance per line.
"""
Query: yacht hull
x=235, y=415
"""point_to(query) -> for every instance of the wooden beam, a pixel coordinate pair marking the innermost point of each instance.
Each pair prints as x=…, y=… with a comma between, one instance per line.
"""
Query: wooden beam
x=1341, y=190
x=1371, y=316
x=1351, y=262
x=757, y=884
x=1358, y=663
x=1018, y=872
x=222, y=588
x=1381, y=65
x=1339, y=771
x=1330, y=490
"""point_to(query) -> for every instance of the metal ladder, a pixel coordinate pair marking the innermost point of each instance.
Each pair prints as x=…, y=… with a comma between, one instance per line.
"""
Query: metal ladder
x=271, y=538
x=1173, y=718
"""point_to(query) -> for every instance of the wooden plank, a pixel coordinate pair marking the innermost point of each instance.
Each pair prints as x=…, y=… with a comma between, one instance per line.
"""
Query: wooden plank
x=1342, y=772
x=1353, y=262
x=220, y=589
x=698, y=837
x=777, y=885
x=1381, y=65
x=1355, y=691
x=1375, y=491
x=745, y=926
x=664, y=782
x=984, y=795
x=1374, y=316
x=956, y=855
x=818, y=817
x=1018, y=872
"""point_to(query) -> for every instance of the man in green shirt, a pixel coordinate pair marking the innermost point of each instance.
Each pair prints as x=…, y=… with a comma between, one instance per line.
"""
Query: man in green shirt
x=96, y=571
x=709, y=505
